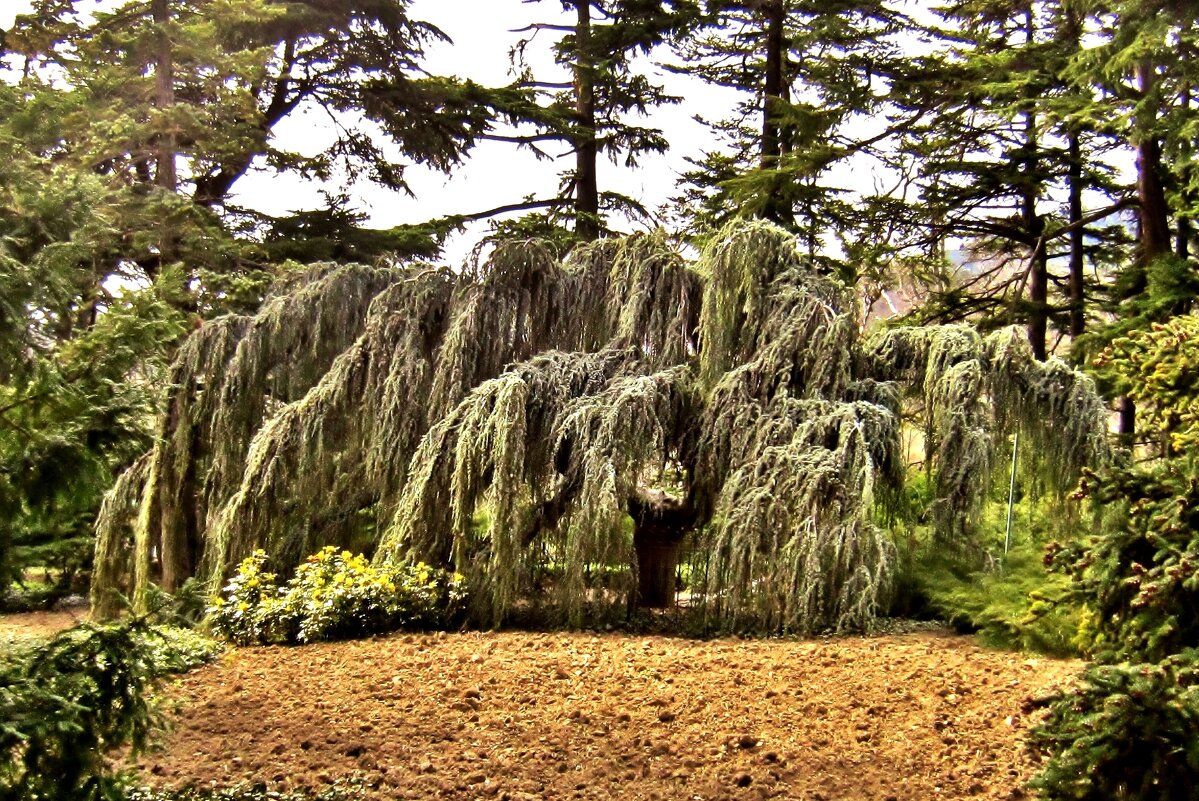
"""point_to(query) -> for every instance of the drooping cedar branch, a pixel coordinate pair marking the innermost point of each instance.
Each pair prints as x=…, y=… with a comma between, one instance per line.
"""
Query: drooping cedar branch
x=552, y=430
x=976, y=392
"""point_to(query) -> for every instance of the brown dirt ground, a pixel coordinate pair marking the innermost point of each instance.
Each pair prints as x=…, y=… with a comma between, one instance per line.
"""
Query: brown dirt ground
x=523, y=716
x=38, y=625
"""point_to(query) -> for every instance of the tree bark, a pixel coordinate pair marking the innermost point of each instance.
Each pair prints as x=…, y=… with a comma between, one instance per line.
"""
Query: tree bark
x=1034, y=225
x=180, y=542
x=166, y=175
x=1128, y=418
x=774, y=91
x=1154, y=212
x=1077, y=240
x=660, y=523
x=1182, y=238
x=1155, y=227
x=587, y=221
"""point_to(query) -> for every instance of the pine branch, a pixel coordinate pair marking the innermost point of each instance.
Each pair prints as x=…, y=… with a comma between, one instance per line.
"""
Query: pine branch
x=526, y=205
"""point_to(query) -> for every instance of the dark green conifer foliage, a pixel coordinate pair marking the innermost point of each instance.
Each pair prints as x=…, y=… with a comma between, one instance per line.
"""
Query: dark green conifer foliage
x=1127, y=731
x=77, y=360
x=1004, y=145
x=123, y=132
x=597, y=112
x=815, y=80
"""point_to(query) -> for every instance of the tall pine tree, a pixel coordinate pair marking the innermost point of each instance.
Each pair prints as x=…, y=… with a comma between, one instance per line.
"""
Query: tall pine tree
x=815, y=78
x=595, y=109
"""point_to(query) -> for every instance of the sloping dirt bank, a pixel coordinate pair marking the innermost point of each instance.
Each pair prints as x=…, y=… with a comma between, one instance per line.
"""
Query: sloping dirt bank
x=558, y=716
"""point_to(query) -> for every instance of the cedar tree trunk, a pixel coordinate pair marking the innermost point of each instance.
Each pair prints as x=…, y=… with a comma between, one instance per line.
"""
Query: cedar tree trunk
x=660, y=523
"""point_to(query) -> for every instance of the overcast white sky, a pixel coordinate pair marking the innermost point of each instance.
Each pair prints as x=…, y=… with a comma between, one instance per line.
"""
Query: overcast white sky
x=496, y=173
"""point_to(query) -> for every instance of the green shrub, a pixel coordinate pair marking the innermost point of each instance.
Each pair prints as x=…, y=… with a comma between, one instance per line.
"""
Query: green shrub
x=1009, y=600
x=333, y=595
x=1127, y=732
x=1017, y=604
x=250, y=598
x=68, y=703
x=1141, y=574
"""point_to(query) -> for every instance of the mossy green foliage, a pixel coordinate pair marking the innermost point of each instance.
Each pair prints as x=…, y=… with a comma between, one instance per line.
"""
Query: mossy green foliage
x=66, y=704
x=1003, y=592
x=1129, y=732
x=1014, y=603
x=333, y=595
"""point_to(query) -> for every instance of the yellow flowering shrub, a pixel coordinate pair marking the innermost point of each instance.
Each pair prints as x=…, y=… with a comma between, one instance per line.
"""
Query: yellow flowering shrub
x=334, y=595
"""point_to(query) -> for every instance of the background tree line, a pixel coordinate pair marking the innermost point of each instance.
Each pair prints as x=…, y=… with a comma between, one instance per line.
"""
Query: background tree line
x=1051, y=141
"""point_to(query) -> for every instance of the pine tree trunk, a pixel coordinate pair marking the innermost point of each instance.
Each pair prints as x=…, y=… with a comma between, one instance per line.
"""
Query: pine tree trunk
x=1127, y=408
x=1155, y=227
x=164, y=95
x=1038, y=282
x=775, y=207
x=1034, y=227
x=587, y=222
x=1154, y=212
x=1077, y=241
x=1182, y=238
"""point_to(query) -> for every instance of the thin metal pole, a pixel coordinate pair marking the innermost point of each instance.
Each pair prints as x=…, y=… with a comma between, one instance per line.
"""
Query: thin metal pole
x=1011, y=495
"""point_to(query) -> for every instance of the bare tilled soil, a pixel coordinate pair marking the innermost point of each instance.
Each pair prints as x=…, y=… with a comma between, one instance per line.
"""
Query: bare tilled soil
x=552, y=716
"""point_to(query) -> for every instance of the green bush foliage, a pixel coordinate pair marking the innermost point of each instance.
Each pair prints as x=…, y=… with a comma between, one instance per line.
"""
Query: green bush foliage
x=1009, y=600
x=1142, y=575
x=68, y=703
x=1018, y=604
x=1128, y=732
x=333, y=595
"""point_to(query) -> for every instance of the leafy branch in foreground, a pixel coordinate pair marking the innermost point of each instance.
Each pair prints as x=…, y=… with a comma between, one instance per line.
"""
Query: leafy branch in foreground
x=67, y=705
